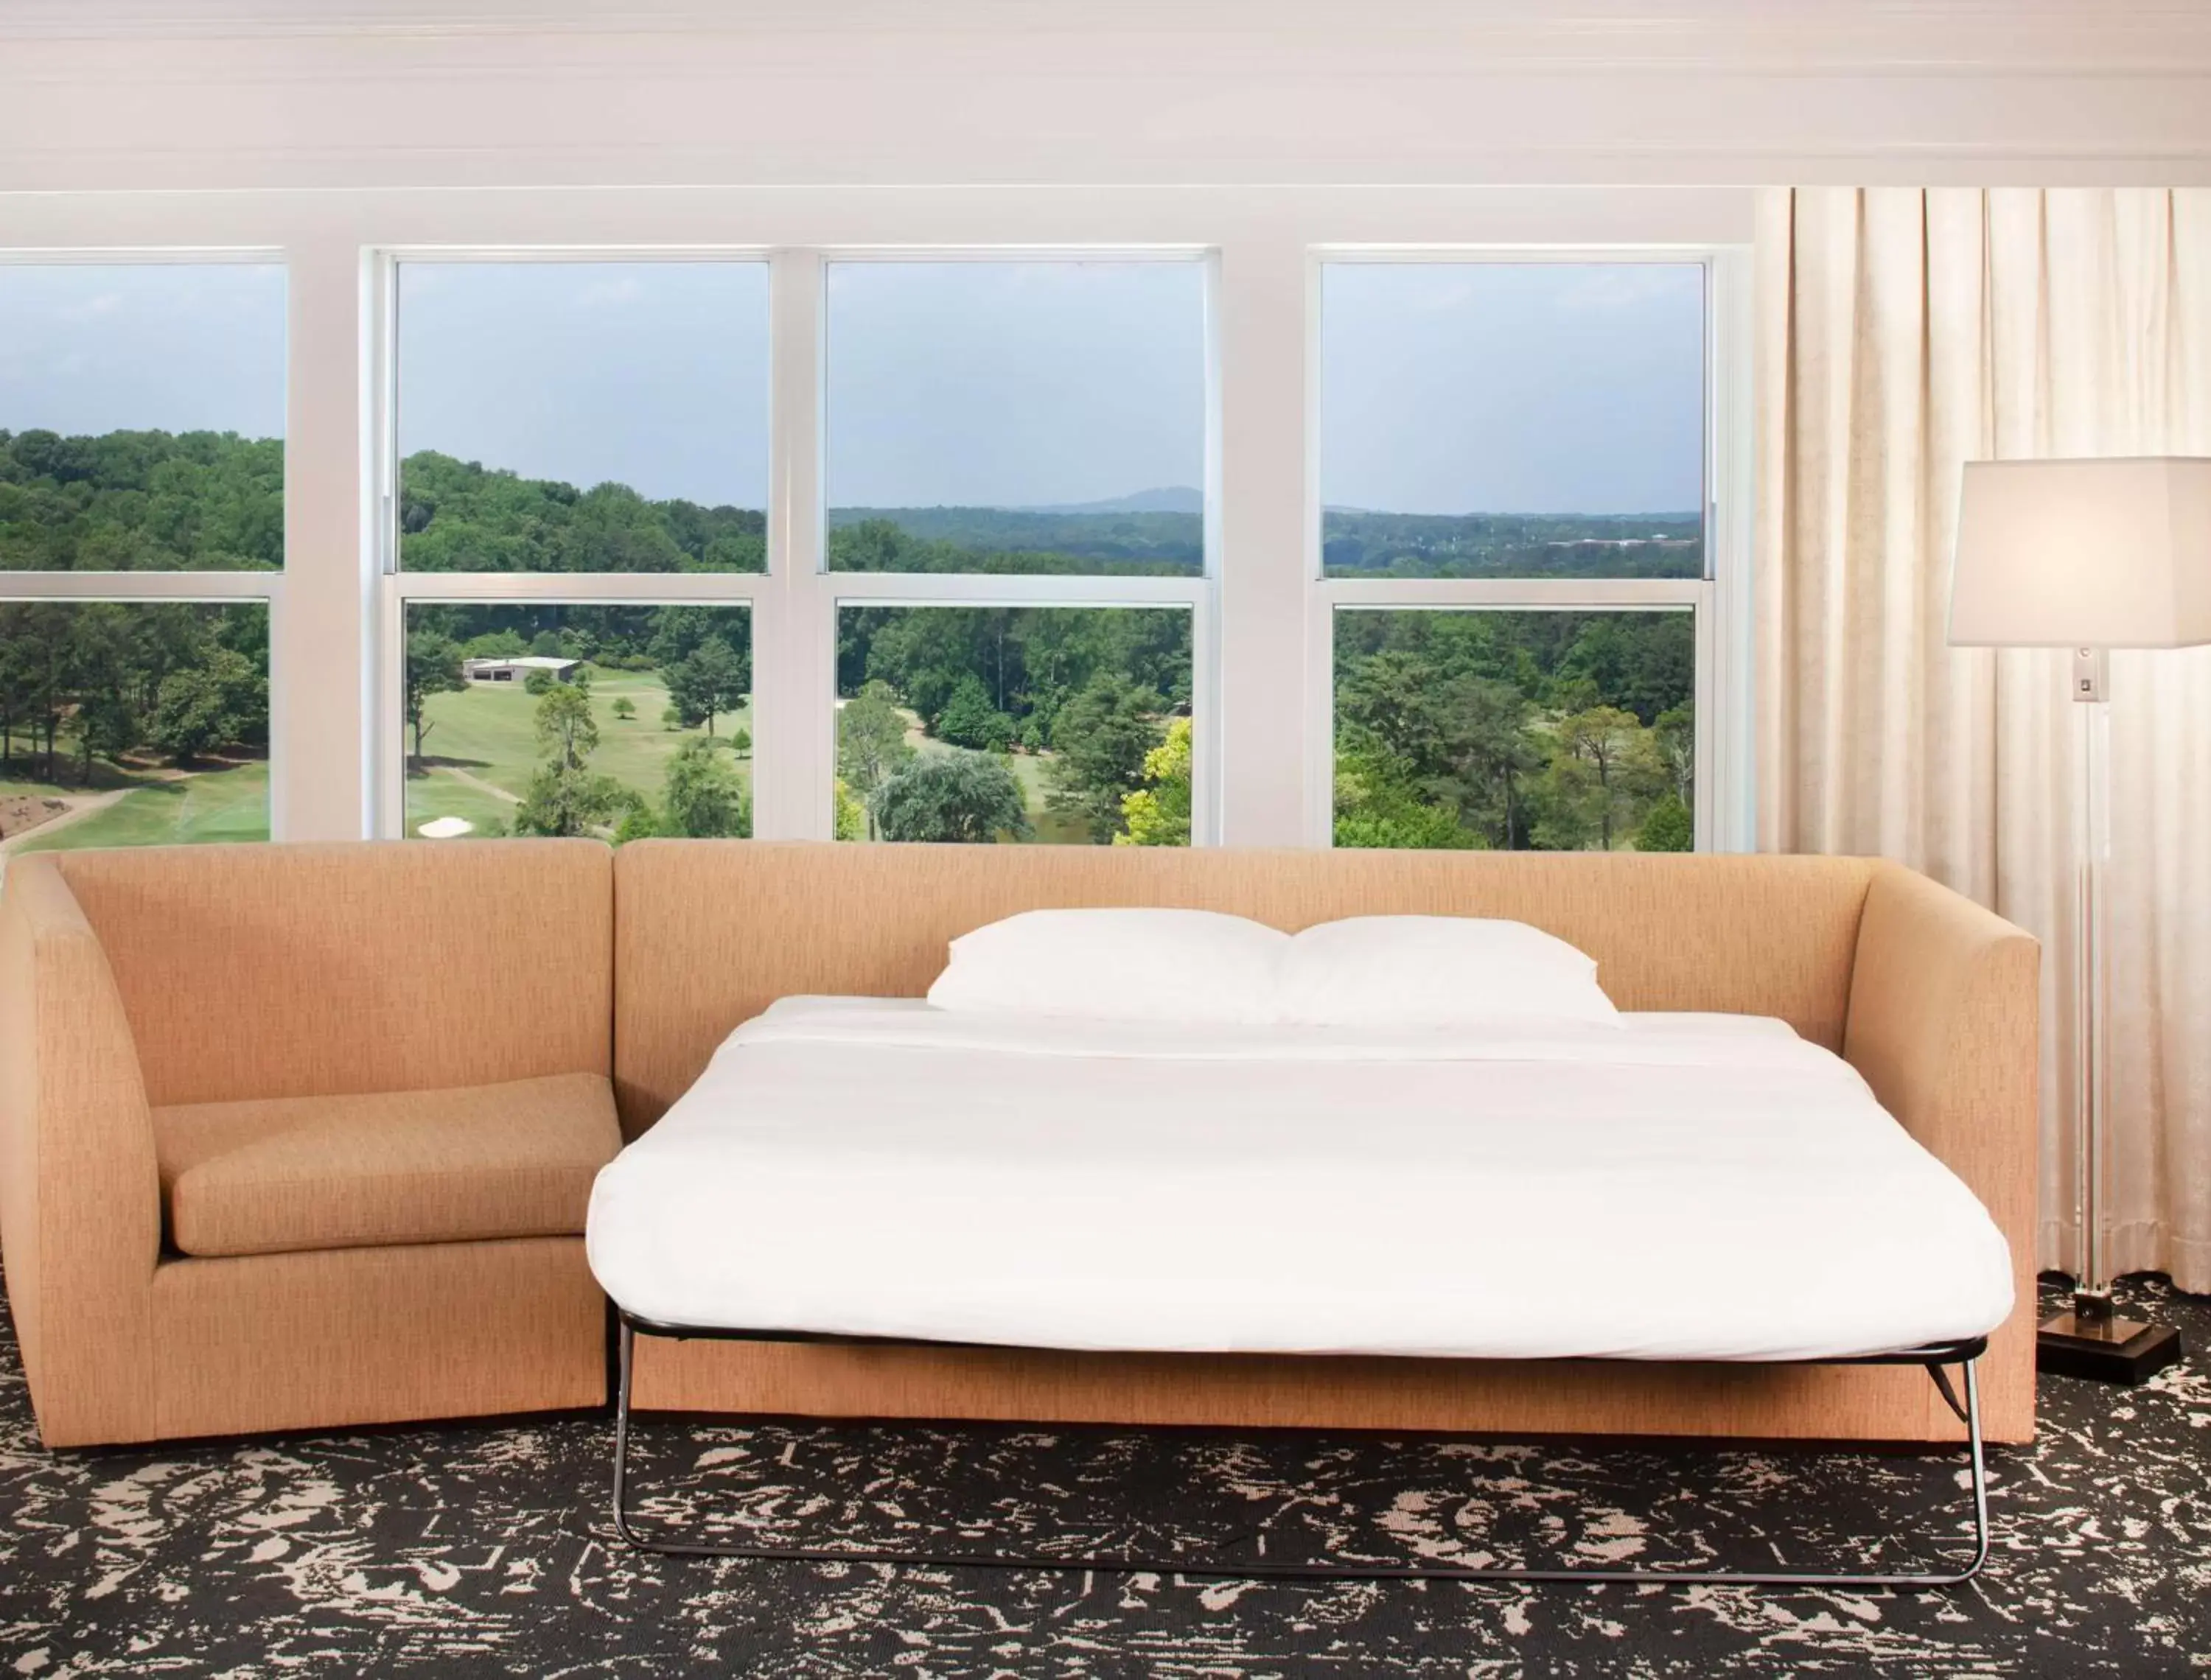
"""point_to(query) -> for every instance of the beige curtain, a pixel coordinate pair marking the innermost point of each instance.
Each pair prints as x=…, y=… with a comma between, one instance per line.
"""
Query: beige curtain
x=1901, y=334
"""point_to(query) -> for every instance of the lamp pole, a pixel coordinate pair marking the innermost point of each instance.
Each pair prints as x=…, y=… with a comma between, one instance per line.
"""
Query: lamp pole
x=2092, y=1341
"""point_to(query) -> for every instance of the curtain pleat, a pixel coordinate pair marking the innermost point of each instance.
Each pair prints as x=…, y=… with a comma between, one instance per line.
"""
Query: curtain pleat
x=1902, y=334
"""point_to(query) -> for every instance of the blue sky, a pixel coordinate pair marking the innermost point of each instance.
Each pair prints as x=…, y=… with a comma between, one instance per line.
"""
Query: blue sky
x=1447, y=387
x=1512, y=387
x=142, y=346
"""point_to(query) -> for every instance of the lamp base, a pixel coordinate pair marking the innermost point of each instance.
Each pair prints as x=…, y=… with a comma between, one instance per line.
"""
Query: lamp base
x=2103, y=1348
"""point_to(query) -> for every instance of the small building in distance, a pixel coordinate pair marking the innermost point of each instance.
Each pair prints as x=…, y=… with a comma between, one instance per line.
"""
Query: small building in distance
x=518, y=667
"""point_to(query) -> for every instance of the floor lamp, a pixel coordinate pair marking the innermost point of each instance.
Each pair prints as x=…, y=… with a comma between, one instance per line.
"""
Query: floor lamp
x=2088, y=555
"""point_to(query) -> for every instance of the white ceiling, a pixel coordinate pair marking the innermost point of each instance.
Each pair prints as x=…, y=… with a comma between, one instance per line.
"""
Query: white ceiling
x=170, y=94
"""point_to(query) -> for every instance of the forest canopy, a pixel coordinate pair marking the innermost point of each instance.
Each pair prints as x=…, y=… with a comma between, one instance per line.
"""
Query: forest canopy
x=1549, y=730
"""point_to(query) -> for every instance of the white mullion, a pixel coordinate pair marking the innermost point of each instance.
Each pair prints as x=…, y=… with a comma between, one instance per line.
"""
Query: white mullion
x=141, y=585
x=583, y=589
x=1266, y=756
x=1207, y=789
x=1608, y=255
x=1725, y=763
x=795, y=623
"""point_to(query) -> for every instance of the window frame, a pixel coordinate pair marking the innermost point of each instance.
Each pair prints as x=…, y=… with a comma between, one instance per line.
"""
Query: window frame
x=334, y=705
x=397, y=589
x=796, y=601
x=202, y=588
x=834, y=591
x=1722, y=811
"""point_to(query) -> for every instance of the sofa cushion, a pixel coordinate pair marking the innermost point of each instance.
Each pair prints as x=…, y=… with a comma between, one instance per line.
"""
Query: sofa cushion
x=405, y=1166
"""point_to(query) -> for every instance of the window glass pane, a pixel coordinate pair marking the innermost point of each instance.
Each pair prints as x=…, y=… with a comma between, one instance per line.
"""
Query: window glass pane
x=129, y=723
x=1512, y=419
x=583, y=416
x=1551, y=731
x=142, y=417
x=1065, y=725
x=1016, y=417
x=621, y=721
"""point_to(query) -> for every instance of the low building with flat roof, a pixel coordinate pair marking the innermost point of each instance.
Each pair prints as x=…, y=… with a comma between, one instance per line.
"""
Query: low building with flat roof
x=517, y=667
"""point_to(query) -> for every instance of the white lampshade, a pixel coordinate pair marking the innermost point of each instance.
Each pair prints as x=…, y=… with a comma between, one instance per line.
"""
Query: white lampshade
x=2103, y=553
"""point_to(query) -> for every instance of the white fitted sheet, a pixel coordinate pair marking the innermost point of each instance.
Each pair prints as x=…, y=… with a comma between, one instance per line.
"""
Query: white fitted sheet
x=1673, y=1186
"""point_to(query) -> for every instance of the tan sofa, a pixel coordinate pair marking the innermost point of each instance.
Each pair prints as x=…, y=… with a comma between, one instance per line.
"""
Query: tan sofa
x=296, y=1136
x=328, y=1068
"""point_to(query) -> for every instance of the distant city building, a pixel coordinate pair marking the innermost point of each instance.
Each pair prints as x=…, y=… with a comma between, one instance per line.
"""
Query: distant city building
x=517, y=668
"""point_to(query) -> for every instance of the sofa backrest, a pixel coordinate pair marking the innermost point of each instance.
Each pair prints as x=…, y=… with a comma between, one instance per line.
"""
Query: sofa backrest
x=710, y=932
x=313, y=970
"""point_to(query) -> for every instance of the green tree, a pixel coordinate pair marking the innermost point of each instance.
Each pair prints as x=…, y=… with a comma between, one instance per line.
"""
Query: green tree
x=434, y=667
x=1100, y=740
x=624, y=707
x=566, y=802
x=969, y=719
x=1673, y=735
x=952, y=796
x=1158, y=814
x=107, y=725
x=704, y=798
x=1604, y=738
x=712, y=679
x=850, y=820
x=1667, y=827
x=639, y=821
x=565, y=725
x=871, y=743
x=566, y=796
x=1377, y=807
x=219, y=703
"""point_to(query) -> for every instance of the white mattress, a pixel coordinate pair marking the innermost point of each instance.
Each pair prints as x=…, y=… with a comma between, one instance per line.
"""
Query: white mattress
x=1679, y=1186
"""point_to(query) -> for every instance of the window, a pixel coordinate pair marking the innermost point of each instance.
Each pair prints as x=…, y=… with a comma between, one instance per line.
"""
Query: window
x=1512, y=419
x=1065, y=725
x=142, y=417
x=1513, y=541
x=142, y=437
x=126, y=723
x=550, y=719
x=582, y=416
x=1016, y=417
x=1558, y=731
x=560, y=426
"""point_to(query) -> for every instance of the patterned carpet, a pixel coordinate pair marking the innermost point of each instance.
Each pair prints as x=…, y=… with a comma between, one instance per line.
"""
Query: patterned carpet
x=467, y=1551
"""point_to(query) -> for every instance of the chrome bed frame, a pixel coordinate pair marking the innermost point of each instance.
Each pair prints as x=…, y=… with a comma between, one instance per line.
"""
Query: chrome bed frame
x=1936, y=1358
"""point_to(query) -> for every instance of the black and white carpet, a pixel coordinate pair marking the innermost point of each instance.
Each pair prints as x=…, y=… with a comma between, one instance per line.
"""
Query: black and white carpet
x=478, y=1550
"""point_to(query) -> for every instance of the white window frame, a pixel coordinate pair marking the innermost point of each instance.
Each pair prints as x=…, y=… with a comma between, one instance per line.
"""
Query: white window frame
x=794, y=605
x=398, y=589
x=1266, y=735
x=204, y=587
x=1721, y=812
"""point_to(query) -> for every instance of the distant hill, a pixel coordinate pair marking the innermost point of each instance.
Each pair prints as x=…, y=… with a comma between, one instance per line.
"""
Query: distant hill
x=991, y=539
x=1358, y=543
x=1166, y=498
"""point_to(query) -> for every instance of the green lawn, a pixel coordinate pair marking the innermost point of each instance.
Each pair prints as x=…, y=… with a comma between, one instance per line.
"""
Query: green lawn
x=488, y=732
x=226, y=804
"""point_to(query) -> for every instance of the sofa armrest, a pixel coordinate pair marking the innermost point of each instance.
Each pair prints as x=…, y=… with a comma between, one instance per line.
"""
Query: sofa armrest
x=80, y=1193
x=1944, y=1023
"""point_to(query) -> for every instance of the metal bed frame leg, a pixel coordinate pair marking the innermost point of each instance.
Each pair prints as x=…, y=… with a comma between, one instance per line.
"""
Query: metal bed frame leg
x=1968, y=1410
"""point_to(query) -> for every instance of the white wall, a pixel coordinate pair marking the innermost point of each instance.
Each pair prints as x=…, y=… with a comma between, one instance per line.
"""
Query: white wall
x=103, y=93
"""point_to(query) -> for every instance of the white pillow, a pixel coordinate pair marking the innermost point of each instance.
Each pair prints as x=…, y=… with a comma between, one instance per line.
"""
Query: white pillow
x=1437, y=971
x=1196, y=966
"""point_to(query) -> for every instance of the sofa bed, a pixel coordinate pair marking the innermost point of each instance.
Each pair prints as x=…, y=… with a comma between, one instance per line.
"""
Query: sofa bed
x=303, y=1136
